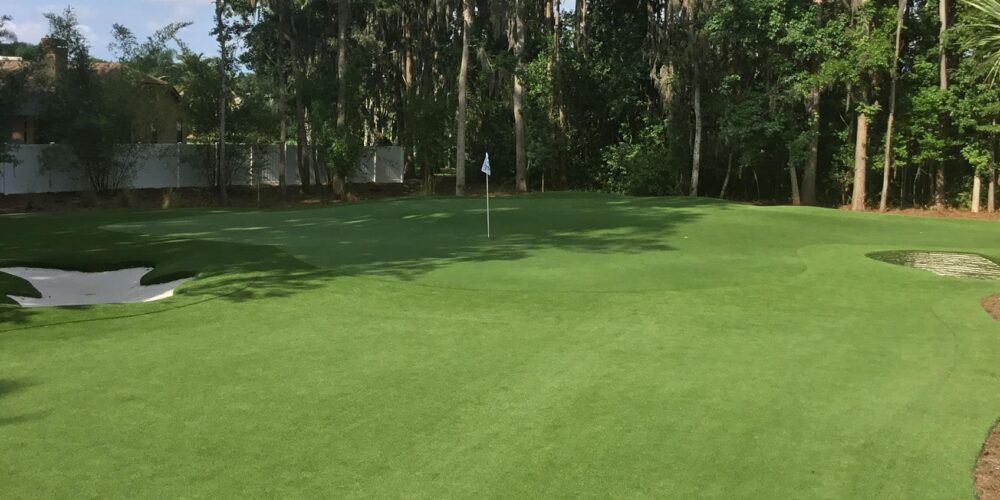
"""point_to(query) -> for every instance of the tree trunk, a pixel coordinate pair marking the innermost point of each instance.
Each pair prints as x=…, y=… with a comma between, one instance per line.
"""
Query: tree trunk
x=557, y=90
x=729, y=170
x=408, y=64
x=553, y=99
x=283, y=150
x=794, y=178
x=692, y=14
x=858, y=197
x=883, y=203
x=939, y=175
x=302, y=138
x=462, y=77
x=581, y=28
x=812, y=157
x=312, y=152
x=343, y=23
x=991, y=192
x=939, y=186
x=696, y=153
x=860, y=163
x=302, y=141
x=942, y=52
x=977, y=192
x=519, y=127
x=813, y=102
x=220, y=168
x=282, y=111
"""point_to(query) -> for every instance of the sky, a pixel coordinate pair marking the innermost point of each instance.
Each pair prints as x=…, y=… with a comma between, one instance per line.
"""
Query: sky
x=143, y=17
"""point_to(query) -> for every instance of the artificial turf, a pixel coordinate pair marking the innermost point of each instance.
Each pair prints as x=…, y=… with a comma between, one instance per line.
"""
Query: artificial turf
x=597, y=346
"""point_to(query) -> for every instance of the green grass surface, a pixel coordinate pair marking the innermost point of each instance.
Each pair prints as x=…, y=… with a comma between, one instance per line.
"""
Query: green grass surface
x=598, y=346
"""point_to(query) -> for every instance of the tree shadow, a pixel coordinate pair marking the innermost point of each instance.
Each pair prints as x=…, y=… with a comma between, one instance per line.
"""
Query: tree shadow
x=11, y=386
x=405, y=240
x=252, y=255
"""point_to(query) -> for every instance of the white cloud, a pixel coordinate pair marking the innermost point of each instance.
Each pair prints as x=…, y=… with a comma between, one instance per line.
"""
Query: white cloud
x=180, y=10
x=83, y=12
x=29, y=31
x=89, y=34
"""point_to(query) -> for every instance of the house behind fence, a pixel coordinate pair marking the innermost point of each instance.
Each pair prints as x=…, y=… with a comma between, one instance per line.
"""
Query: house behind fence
x=178, y=166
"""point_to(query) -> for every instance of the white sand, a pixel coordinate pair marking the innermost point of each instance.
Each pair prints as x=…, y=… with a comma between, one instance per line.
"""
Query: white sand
x=73, y=288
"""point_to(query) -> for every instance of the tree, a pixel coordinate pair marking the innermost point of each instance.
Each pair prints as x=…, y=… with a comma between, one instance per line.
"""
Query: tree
x=300, y=40
x=868, y=58
x=518, y=44
x=939, y=176
x=267, y=52
x=463, y=76
x=11, y=85
x=555, y=75
x=6, y=35
x=987, y=39
x=343, y=24
x=980, y=102
x=90, y=116
x=154, y=56
x=223, y=35
x=812, y=107
x=891, y=120
x=692, y=9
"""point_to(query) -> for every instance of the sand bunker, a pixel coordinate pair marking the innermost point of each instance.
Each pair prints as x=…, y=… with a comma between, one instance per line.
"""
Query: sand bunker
x=961, y=265
x=73, y=288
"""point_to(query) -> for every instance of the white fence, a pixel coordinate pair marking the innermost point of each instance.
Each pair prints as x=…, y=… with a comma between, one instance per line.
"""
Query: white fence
x=178, y=165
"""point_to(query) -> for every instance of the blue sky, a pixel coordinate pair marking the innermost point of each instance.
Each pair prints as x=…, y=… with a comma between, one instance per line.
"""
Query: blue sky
x=143, y=17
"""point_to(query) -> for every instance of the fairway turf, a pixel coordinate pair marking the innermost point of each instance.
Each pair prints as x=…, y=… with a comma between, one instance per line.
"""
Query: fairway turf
x=597, y=346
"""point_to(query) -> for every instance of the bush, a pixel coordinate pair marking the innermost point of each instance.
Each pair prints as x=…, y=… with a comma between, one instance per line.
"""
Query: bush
x=106, y=168
x=639, y=165
x=205, y=158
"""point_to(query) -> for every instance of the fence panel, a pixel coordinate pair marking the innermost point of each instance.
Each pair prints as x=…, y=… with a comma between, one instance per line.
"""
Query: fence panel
x=184, y=165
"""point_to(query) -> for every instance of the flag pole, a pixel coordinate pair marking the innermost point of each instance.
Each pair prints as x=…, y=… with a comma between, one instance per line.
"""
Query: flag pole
x=487, y=206
x=486, y=170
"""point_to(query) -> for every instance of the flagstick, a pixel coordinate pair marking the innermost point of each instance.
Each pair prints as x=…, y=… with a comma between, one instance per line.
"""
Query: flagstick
x=487, y=206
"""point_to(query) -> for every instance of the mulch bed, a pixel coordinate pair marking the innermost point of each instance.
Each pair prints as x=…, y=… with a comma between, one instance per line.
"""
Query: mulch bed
x=950, y=213
x=987, y=473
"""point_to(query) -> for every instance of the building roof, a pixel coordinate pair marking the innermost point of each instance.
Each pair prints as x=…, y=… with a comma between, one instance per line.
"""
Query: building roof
x=31, y=106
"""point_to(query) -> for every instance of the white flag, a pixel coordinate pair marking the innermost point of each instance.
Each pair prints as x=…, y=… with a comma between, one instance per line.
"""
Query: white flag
x=486, y=165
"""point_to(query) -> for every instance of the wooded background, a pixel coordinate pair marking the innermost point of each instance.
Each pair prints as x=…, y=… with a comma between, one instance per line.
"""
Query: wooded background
x=875, y=103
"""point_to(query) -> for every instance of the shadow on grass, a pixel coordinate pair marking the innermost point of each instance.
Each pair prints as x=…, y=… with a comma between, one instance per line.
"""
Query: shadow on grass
x=406, y=239
x=243, y=256
x=8, y=387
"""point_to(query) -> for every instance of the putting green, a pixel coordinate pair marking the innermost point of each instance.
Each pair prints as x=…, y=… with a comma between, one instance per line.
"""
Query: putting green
x=597, y=346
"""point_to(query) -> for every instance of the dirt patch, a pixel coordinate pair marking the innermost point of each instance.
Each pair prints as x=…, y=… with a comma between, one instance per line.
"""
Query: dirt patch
x=987, y=473
x=991, y=305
